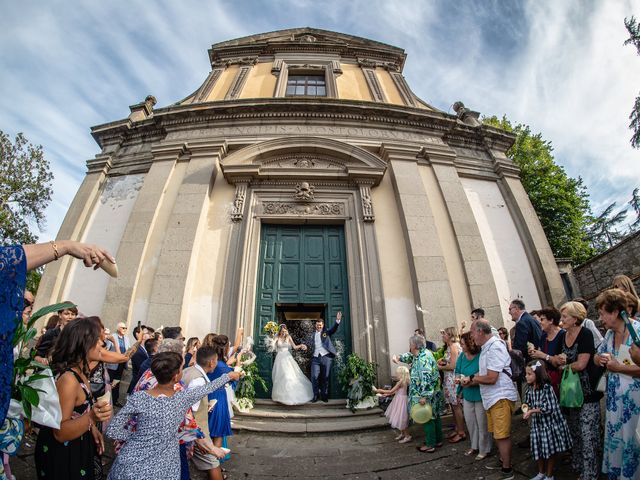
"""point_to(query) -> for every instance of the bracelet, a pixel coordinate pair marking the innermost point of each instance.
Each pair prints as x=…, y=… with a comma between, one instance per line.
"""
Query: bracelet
x=90, y=422
x=56, y=255
x=547, y=357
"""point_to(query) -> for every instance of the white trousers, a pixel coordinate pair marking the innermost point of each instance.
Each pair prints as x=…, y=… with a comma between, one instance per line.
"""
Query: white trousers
x=476, y=418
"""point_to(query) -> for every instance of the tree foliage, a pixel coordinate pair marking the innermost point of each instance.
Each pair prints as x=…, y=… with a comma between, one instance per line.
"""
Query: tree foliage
x=561, y=202
x=25, y=189
x=633, y=27
x=635, y=205
x=604, y=231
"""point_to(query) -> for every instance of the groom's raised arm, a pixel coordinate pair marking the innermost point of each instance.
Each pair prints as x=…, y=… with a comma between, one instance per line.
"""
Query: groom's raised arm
x=333, y=329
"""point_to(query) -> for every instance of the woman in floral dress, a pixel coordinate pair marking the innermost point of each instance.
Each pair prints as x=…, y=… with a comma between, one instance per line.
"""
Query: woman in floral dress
x=621, y=447
x=425, y=387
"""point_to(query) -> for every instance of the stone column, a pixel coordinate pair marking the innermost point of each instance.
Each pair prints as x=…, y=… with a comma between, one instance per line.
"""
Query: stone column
x=432, y=290
x=479, y=278
x=541, y=259
x=121, y=291
x=55, y=274
x=180, y=240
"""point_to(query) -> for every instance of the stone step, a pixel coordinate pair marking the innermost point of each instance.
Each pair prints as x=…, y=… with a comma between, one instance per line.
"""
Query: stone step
x=308, y=425
x=333, y=403
x=319, y=412
x=271, y=417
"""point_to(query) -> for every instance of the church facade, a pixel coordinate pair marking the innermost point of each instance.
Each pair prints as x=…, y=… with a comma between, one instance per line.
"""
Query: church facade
x=302, y=178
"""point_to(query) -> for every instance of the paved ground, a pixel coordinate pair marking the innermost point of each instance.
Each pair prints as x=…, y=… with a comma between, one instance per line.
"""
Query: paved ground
x=360, y=455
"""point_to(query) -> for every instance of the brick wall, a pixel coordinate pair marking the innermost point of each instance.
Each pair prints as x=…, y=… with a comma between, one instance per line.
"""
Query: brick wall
x=597, y=274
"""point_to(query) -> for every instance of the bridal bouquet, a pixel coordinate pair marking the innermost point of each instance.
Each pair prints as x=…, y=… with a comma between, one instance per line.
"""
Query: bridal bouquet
x=271, y=328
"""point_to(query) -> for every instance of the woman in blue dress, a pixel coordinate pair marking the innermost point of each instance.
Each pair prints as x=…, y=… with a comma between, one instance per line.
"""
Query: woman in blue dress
x=621, y=458
x=219, y=416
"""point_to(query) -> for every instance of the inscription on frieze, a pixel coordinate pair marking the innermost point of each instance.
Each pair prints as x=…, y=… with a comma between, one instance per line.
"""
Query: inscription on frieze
x=288, y=208
x=329, y=130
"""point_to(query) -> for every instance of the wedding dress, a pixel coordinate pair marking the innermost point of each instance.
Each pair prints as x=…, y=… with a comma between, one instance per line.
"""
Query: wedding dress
x=290, y=385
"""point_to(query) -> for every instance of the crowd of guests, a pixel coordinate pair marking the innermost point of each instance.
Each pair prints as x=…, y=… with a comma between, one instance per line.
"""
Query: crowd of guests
x=169, y=380
x=157, y=431
x=482, y=374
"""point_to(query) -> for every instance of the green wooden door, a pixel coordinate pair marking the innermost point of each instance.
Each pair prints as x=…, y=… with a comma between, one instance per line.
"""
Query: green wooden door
x=302, y=268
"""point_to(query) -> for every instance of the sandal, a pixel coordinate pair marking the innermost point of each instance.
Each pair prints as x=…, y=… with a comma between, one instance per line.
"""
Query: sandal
x=438, y=445
x=452, y=434
x=425, y=449
x=481, y=456
x=457, y=438
x=470, y=452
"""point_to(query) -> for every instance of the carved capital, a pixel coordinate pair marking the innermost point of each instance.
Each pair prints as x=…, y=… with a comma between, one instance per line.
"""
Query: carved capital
x=367, y=203
x=276, y=68
x=100, y=164
x=238, y=203
x=227, y=62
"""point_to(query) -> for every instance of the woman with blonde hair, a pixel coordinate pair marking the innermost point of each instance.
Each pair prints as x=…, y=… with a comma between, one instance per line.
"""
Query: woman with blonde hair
x=577, y=354
x=447, y=364
x=398, y=410
x=624, y=283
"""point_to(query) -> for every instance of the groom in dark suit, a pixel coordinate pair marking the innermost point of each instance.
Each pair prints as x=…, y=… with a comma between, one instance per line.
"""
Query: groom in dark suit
x=323, y=353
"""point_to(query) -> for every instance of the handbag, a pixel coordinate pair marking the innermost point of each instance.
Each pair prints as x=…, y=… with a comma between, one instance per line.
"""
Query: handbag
x=571, y=395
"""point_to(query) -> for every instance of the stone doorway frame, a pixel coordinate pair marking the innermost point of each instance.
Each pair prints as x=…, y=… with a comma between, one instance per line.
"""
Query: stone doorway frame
x=269, y=178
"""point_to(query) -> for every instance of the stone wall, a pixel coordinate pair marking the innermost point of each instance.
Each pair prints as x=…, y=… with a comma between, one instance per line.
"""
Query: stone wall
x=597, y=274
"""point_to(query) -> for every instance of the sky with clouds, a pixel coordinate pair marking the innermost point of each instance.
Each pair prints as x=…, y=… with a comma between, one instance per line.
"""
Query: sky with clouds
x=558, y=66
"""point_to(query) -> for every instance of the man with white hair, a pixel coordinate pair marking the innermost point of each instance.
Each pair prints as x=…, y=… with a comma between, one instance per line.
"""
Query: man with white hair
x=498, y=393
x=121, y=344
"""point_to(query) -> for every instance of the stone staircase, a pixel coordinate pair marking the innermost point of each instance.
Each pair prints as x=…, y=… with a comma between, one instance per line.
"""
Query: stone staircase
x=271, y=417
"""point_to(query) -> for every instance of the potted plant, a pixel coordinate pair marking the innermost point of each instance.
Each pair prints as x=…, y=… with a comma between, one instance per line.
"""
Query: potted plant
x=358, y=377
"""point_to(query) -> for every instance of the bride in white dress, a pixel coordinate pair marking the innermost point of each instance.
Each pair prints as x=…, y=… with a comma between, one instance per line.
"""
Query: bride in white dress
x=290, y=385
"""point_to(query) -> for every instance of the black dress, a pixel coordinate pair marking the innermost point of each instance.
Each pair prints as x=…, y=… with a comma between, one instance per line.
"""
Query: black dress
x=98, y=380
x=71, y=460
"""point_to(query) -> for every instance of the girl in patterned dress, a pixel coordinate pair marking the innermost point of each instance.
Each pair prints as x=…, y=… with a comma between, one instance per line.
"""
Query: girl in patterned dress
x=398, y=410
x=549, y=430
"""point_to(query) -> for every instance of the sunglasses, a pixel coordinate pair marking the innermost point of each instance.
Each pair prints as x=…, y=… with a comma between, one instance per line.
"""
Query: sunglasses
x=27, y=303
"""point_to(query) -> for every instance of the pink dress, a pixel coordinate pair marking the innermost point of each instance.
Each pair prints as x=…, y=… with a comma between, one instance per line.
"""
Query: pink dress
x=398, y=410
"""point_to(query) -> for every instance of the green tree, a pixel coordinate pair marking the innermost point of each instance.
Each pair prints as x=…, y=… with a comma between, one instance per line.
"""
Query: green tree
x=635, y=205
x=633, y=28
x=25, y=189
x=561, y=202
x=604, y=231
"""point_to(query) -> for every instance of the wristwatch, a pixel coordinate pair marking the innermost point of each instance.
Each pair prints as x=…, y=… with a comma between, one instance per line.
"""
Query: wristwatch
x=471, y=377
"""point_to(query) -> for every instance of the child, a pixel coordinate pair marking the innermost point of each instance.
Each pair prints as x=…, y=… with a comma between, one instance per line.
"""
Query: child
x=397, y=412
x=159, y=412
x=549, y=431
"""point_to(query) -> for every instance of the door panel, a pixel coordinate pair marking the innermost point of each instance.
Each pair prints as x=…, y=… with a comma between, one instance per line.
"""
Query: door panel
x=303, y=264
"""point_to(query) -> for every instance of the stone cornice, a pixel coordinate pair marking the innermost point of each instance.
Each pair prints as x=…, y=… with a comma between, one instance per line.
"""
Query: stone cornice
x=282, y=111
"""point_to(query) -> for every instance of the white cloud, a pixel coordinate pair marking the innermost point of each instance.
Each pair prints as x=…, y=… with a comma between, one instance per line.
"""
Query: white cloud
x=557, y=66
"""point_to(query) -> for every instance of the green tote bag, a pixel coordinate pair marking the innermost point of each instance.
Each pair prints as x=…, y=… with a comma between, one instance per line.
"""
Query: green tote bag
x=571, y=395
